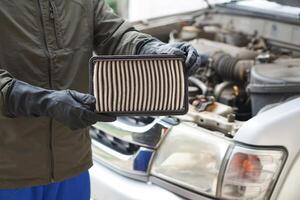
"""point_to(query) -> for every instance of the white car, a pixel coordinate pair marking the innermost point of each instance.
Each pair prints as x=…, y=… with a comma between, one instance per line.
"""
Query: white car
x=240, y=138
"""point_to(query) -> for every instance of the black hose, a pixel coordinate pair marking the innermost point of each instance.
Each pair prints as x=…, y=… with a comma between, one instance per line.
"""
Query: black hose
x=230, y=68
x=224, y=65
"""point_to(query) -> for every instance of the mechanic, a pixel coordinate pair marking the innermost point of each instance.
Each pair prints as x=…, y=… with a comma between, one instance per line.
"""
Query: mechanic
x=45, y=47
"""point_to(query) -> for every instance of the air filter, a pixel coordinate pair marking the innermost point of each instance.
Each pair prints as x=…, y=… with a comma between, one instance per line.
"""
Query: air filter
x=139, y=85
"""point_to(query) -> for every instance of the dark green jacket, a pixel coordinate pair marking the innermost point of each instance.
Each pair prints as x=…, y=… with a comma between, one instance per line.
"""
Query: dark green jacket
x=48, y=43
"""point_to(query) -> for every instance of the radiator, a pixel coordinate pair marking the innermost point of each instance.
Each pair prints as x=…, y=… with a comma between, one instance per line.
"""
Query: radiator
x=139, y=85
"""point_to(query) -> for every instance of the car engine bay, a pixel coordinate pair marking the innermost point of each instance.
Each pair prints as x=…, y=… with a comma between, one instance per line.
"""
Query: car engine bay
x=253, y=67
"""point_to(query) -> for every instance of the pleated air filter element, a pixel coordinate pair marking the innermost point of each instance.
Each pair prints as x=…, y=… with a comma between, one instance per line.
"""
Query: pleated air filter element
x=139, y=85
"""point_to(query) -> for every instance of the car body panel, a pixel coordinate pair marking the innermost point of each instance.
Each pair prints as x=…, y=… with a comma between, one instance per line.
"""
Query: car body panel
x=278, y=127
x=108, y=185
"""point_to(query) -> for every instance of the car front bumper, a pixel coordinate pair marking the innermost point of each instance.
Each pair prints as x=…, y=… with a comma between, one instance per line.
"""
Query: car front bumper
x=107, y=184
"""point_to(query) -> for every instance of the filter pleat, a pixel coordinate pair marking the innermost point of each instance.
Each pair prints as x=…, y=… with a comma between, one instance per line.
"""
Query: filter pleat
x=119, y=86
x=96, y=83
x=123, y=83
x=114, y=86
x=178, y=86
x=101, y=89
x=153, y=94
x=131, y=86
x=182, y=94
x=157, y=82
x=145, y=84
x=149, y=86
x=174, y=84
x=109, y=85
x=166, y=84
x=161, y=77
x=140, y=82
x=136, y=85
x=127, y=91
x=170, y=88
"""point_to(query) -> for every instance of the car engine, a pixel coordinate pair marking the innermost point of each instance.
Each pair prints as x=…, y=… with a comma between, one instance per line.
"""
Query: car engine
x=247, y=74
x=254, y=65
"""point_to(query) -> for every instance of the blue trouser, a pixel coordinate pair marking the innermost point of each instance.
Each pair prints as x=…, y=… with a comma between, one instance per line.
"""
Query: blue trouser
x=77, y=188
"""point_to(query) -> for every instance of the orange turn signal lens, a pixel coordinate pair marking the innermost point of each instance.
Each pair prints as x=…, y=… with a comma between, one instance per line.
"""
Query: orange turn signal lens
x=245, y=166
x=250, y=173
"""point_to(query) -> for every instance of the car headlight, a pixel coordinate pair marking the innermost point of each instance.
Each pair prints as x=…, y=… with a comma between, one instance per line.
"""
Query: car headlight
x=191, y=159
x=205, y=162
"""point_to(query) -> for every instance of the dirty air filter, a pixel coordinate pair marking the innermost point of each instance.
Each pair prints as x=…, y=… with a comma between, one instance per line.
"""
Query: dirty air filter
x=139, y=85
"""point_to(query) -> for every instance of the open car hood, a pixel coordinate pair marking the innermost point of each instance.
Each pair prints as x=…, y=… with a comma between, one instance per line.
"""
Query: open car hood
x=272, y=9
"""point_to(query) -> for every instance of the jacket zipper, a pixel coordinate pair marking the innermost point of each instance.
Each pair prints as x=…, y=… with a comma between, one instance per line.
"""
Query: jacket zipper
x=49, y=54
x=53, y=19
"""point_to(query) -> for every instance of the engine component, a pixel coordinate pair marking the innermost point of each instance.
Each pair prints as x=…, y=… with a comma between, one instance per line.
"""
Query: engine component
x=188, y=33
x=226, y=92
x=194, y=90
x=234, y=95
x=209, y=104
x=198, y=83
x=203, y=103
x=226, y=76
x=217, y=117
x=274, y=83
x=211, y=47
x=230, y=68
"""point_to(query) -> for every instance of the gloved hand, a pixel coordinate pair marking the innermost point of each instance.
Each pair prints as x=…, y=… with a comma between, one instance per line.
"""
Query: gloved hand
x=193, y=61
x=69, y=107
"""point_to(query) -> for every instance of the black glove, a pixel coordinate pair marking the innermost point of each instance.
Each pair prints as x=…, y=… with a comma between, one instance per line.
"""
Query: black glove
x=193, y=61
x=74, y=109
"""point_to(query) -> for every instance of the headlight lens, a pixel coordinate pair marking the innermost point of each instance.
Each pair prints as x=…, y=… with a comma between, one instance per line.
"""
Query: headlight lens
x=191, y=160
x=251, y=173
x=199, y=160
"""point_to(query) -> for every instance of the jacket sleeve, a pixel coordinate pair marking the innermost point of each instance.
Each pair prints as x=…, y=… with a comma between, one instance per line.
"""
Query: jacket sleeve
x=112, y=34
x=5, y=81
